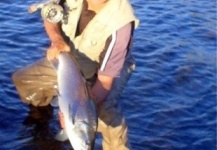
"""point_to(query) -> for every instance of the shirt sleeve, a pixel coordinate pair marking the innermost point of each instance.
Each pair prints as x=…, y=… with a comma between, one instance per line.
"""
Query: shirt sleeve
x=113, y=56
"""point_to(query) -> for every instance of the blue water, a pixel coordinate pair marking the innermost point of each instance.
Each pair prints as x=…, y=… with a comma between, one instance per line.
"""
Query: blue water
x=170, y=100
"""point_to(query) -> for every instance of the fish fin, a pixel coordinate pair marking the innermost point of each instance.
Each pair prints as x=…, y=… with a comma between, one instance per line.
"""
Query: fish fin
x=93, y=115
x=86, y=87
x=55, y=87
x=61, y=136
x=73, y=113
x=54, y=102
x=55, y=63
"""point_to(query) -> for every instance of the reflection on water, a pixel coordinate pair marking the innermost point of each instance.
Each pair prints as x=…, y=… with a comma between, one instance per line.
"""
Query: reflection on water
x=41, y=132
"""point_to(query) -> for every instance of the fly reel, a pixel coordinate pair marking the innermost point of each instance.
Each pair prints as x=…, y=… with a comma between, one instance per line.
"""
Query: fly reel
x=52, y=12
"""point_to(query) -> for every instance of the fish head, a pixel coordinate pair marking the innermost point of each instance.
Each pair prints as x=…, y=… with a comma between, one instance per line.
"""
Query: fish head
x=84, y=135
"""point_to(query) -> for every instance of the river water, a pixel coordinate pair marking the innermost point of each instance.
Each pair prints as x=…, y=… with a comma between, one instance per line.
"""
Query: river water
x=170, y=100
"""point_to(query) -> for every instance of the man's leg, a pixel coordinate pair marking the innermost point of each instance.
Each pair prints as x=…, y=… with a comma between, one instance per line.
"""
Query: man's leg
x=35, y=83
x=112, y=125
x=111, y=122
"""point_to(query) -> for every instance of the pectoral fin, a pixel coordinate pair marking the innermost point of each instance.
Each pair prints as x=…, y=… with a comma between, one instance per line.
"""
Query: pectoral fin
x=61, y=136
x=55, y=63
x=54, y=102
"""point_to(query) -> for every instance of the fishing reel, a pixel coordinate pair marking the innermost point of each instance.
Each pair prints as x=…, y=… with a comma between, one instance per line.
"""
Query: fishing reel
x=52, y=13
x=50, y=10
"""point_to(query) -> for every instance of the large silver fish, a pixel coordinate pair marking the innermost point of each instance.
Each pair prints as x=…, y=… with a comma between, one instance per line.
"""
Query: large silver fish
x=77, y=108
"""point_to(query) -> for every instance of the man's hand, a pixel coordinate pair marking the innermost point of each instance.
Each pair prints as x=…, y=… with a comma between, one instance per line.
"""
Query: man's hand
x=56, y=47
x=61, y=119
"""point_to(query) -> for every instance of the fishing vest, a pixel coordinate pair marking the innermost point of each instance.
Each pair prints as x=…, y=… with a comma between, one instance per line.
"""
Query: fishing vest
x=91, y=42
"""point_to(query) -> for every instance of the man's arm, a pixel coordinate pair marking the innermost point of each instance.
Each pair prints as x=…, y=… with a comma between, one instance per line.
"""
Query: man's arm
x=57, y=42
x=53, y=31
x=101, y=88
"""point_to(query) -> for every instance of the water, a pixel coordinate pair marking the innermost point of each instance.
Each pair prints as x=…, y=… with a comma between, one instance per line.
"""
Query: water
x=170, y=101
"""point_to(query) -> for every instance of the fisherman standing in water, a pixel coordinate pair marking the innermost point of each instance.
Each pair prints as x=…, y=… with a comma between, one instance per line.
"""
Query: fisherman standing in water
x=98, y=33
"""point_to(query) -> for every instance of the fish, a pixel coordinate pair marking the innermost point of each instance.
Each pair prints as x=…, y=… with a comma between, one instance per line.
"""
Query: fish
x=74, y=102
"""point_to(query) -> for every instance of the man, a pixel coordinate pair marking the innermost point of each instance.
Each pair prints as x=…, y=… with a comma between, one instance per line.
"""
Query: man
x=98, y=34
